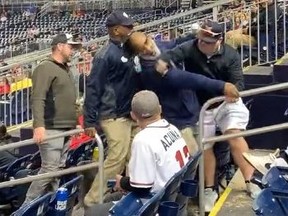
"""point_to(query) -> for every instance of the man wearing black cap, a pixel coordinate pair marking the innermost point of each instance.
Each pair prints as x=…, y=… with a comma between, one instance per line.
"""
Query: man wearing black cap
x=54, y=110
x=209, y=56
x=109, y=91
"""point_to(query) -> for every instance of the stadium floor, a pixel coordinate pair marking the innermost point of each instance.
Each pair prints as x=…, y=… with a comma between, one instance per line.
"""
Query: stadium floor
x=234, y=200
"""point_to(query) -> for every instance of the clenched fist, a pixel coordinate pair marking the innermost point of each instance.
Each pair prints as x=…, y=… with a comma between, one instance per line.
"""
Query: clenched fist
x=231, y=92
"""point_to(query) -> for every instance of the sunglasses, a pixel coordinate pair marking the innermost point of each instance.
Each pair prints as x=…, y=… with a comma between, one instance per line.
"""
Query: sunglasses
x=207, y=33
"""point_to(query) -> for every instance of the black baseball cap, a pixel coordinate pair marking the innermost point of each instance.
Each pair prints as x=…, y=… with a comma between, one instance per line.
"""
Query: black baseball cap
x=119, y=18
x=210, y=31
x=65, y=38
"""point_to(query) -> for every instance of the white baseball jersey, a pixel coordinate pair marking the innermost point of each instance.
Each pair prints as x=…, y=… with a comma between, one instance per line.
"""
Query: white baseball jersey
x=158, y=152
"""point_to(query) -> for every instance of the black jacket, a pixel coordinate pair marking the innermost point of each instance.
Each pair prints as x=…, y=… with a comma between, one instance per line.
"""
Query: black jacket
x=110, y=86
x=224, y=65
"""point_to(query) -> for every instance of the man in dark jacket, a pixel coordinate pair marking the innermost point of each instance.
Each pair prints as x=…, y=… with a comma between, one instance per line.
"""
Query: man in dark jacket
x=179, y=101
x=109, y=91
x=208, y=56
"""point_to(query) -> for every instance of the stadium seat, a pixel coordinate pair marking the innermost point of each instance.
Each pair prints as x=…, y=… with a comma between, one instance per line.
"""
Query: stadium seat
x=151, y=206
x=73, y=188
x=16, y=166
x=276, y=178
x=35, y=161
x=127, y=206
x=188, y=174
x=38, y=207
x=173, y=185
x=82, y=153
x=271, y=202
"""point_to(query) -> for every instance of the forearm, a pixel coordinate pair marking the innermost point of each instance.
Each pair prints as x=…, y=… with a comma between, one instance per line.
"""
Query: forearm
x=125, y=185
x=187, y=80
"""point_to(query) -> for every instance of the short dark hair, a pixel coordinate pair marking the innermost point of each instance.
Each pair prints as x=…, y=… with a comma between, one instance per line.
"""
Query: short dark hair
x=3, y=130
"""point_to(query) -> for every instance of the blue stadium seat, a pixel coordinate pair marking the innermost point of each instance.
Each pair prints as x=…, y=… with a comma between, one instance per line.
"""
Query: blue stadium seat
x=37, y=207
x=173, y=185
x=276, y=178
x=127, y=206
x=189, y=174
x=35, y=161
x=84, y=152
x=271, y=203
x=151, y=206
x=73, y=187
x=16, y=166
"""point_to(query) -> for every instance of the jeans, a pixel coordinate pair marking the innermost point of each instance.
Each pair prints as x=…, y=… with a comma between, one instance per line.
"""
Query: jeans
x=53, y=156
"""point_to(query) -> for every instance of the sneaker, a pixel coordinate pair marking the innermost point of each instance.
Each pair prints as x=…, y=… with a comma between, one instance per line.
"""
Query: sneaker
x=260, y=162
x=253, y=189
x=210, y=197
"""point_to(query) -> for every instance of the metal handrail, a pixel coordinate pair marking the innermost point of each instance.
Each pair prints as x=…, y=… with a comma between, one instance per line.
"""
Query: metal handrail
x=202, y=140
x=100, y=164
x=140, y=27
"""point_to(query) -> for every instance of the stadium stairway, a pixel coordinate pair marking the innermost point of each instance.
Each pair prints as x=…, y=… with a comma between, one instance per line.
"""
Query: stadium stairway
x=270, y=108
x=265, y=109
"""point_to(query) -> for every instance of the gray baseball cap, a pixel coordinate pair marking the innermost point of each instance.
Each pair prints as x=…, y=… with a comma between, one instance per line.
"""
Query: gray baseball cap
x=145, y=104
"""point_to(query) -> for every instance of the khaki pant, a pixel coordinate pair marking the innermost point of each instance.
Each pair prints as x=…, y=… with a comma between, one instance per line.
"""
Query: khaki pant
x=235, y=38
x=188, y=136
x=119, y=133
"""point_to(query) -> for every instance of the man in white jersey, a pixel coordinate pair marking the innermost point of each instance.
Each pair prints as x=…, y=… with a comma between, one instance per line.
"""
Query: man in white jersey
x=158, y=151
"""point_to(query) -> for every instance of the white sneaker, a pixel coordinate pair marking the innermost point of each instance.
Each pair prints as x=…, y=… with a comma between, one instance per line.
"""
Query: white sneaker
x=259, y=162
x=252, y=189
x=210, y=197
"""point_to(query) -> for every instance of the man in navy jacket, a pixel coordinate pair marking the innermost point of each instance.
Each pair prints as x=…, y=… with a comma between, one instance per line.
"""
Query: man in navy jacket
x=179, y=102
x=110, y=87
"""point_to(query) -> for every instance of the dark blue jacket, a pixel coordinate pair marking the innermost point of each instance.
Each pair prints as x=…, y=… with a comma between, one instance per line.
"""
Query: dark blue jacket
x=110, y=86
x=176, y=90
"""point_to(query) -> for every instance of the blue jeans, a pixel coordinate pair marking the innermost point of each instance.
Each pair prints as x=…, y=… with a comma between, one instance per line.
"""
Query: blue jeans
x=53, y=157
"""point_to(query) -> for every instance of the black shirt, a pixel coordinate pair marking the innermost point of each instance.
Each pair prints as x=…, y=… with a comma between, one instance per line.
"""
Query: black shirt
x=224, y=65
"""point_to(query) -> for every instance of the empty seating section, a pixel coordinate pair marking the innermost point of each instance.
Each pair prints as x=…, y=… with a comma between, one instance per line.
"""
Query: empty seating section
x=21, y=34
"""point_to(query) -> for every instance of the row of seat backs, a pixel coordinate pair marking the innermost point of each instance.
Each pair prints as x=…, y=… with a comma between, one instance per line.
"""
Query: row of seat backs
x=46, y=204
x=30, y=161
x=131, y=204
x=273, y=199
x=84, y=152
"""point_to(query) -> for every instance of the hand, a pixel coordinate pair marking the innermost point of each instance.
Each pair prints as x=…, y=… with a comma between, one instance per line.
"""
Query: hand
x=91, y=131
x=231, y=93
x=117, y=186
x=39, y=135
x=245, y=31
x=161, y=67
